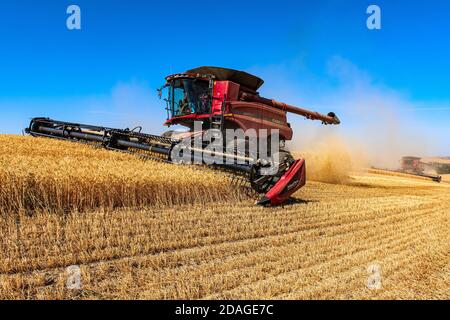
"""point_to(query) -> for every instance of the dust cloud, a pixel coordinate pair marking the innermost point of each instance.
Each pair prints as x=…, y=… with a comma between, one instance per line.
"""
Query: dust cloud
x=333, y=153
x=378, y=127
x=331, y=159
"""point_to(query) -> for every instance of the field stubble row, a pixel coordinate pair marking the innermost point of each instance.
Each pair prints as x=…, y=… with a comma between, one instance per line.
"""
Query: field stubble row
x=137, y=239
x=258, y=253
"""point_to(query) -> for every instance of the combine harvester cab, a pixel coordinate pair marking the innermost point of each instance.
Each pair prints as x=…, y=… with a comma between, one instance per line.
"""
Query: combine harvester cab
x=219, y=100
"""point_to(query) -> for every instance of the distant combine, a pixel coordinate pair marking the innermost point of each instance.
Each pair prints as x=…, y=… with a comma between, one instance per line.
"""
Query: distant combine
x=417, y=167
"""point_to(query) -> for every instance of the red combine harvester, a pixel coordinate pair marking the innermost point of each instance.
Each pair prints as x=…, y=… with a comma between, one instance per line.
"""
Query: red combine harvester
x=414, y=165
x=219, y=99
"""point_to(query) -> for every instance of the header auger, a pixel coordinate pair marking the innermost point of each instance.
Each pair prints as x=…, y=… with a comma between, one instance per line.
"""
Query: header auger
x=210, y=101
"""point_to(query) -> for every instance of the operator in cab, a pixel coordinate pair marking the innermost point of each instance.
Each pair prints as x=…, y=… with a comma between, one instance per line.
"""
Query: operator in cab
x=184, y=105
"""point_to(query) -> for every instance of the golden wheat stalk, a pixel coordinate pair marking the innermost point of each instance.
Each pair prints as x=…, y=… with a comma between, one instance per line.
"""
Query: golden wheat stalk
x=49, y=174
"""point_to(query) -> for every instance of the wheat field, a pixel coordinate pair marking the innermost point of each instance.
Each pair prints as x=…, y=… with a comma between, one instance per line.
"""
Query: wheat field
x=56, y=175
x=322, y=245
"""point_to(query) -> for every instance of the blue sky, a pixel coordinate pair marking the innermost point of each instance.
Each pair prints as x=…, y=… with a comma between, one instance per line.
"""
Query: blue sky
x=316, y=53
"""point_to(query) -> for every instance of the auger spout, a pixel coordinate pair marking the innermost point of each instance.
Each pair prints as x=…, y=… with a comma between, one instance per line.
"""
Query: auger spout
x=330, y=118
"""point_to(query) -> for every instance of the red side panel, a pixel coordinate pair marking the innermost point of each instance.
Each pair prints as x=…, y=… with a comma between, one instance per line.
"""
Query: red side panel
x=253, y=115
x=222, y=88
x=291, y=181
x=185, y=120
